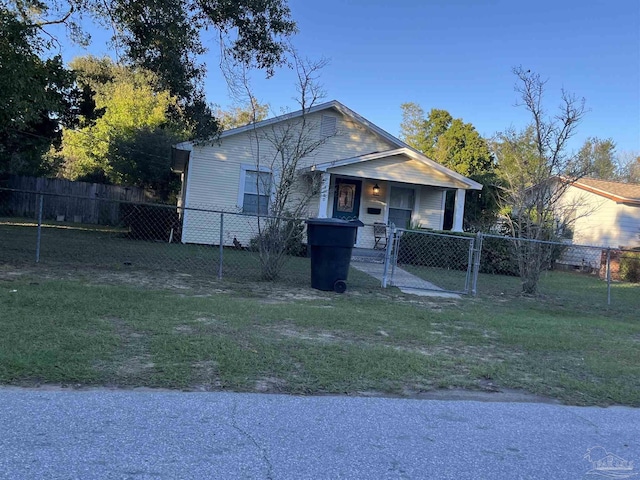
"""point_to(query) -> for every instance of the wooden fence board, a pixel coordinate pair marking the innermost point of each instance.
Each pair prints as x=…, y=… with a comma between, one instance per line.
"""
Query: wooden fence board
x=100, y=204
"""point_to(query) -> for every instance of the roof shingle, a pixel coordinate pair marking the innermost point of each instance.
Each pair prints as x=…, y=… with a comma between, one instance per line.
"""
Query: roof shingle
x=620, y=192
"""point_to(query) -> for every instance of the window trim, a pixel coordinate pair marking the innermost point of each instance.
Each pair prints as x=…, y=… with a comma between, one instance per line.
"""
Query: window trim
x=328, y=126
x=244, y=168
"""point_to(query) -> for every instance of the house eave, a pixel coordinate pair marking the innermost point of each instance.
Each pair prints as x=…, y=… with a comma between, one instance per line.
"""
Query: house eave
x=179, y=159
x=409, y=152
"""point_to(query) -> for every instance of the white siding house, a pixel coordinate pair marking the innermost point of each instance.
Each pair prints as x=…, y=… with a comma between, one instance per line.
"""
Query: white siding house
x=606, y=213
x=354, y=157
x=600, y=213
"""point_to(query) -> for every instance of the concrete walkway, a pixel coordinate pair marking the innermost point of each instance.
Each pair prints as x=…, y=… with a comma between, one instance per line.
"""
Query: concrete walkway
x=144, y=435
x=403, y=280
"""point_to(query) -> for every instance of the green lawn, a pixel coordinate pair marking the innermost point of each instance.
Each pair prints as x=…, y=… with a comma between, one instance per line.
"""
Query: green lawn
x=160, y=331
x=584, y=291
x=91, y=246
x=102, y=309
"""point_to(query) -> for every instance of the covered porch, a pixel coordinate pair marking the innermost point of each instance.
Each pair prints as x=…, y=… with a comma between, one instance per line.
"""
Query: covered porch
x=399, y=187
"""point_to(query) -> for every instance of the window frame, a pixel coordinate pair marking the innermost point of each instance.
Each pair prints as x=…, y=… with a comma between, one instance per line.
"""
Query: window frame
x=244, y=168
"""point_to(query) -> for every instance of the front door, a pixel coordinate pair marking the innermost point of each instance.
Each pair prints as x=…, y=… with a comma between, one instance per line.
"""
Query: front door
x=346, y=201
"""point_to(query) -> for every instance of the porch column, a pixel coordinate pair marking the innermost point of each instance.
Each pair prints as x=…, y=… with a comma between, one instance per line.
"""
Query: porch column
x=325, y=179
x=458, y=211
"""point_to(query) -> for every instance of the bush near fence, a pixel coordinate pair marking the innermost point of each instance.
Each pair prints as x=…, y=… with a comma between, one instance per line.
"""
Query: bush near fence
x=624, y=265
x=291, y=234
x=630, y=267
x=498, y=253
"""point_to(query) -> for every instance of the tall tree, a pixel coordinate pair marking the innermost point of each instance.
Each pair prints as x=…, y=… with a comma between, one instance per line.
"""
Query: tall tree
x=36, y=94
x=130, y=142
x=164, y=37
x=458, y=146
x=529, y=162
x=629, y=166
x=597, y=158
x=239, y=116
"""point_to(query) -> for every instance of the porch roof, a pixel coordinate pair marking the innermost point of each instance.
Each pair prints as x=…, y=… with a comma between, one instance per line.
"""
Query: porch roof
x=399, y=165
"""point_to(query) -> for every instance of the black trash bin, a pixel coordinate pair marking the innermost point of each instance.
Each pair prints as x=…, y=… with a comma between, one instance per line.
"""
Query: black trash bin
x=331, y=241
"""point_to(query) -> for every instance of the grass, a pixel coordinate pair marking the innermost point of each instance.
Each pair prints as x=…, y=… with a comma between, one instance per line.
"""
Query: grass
x=80, y=246
x=173, y=331
x=102, y=309
x=582, y=290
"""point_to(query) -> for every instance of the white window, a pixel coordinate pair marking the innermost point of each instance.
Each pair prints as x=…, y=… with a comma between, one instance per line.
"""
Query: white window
x=255, y=190
x=402, y=198
x=401, y=204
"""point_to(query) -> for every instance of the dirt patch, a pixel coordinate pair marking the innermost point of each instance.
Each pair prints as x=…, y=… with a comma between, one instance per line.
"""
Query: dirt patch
x=290, y=331
x=134, y=359
x=270, y=385
x=134, y=366
x=183, y=329
x=208, y=321
x=207, y=377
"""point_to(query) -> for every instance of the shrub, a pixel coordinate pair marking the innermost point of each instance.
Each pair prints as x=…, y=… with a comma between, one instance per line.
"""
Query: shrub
x=441, y=251
x=288, y=238
x=498, y=257
x=630, y=267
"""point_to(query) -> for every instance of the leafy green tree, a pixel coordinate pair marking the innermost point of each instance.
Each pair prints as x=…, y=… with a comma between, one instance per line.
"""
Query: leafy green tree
x=240, y=116
x=130, y=143
x=597, y=158
x=458, y=146
x=165, y=37
x=36, y=94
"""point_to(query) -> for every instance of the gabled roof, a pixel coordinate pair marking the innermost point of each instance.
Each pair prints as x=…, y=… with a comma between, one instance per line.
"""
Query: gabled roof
x=403, y=148
x=409, y=152
x=616, y=191
x=333, y=104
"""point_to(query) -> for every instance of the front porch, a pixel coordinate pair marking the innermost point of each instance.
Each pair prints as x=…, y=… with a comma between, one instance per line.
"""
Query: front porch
x=398, y=187
x=381, y=203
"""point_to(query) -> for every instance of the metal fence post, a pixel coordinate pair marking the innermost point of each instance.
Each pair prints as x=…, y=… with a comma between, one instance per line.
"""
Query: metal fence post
x=387, y=256
x=608, y=275
x=221, y=246
x=476, y=264
x=395, y=250
x=39, y=236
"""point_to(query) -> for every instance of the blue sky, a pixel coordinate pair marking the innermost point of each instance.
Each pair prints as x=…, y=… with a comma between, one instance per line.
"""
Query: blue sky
x=458, y=55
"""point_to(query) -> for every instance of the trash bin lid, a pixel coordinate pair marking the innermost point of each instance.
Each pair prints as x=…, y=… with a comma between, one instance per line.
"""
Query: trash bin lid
x=337, y=222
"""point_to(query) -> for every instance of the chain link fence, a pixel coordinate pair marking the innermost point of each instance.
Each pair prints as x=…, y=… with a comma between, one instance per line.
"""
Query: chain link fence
x=431, y=261
x=95, y=233
x=75, y=233
x=484, y=264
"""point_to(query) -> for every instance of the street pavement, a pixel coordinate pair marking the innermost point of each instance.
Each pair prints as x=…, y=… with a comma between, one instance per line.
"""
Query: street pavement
x=125, y=434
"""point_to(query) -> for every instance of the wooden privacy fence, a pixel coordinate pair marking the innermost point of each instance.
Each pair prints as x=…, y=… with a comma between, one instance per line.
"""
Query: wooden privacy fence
x=65, y=200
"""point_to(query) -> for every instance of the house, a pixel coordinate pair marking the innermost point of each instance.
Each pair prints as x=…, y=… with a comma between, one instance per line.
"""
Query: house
x=364, y=173
x=603, y=213
x=599, y=213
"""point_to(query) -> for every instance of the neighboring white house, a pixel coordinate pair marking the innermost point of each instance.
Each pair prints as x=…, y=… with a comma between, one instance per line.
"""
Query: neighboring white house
x=606, y=213
x=600, y=213
x=365, y=172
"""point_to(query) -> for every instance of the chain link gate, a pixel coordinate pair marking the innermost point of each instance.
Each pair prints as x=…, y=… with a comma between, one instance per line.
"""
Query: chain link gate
x=425, y=260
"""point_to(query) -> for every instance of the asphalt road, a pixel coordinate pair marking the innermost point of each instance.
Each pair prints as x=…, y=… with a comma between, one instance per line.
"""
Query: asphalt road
x=102, y=434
